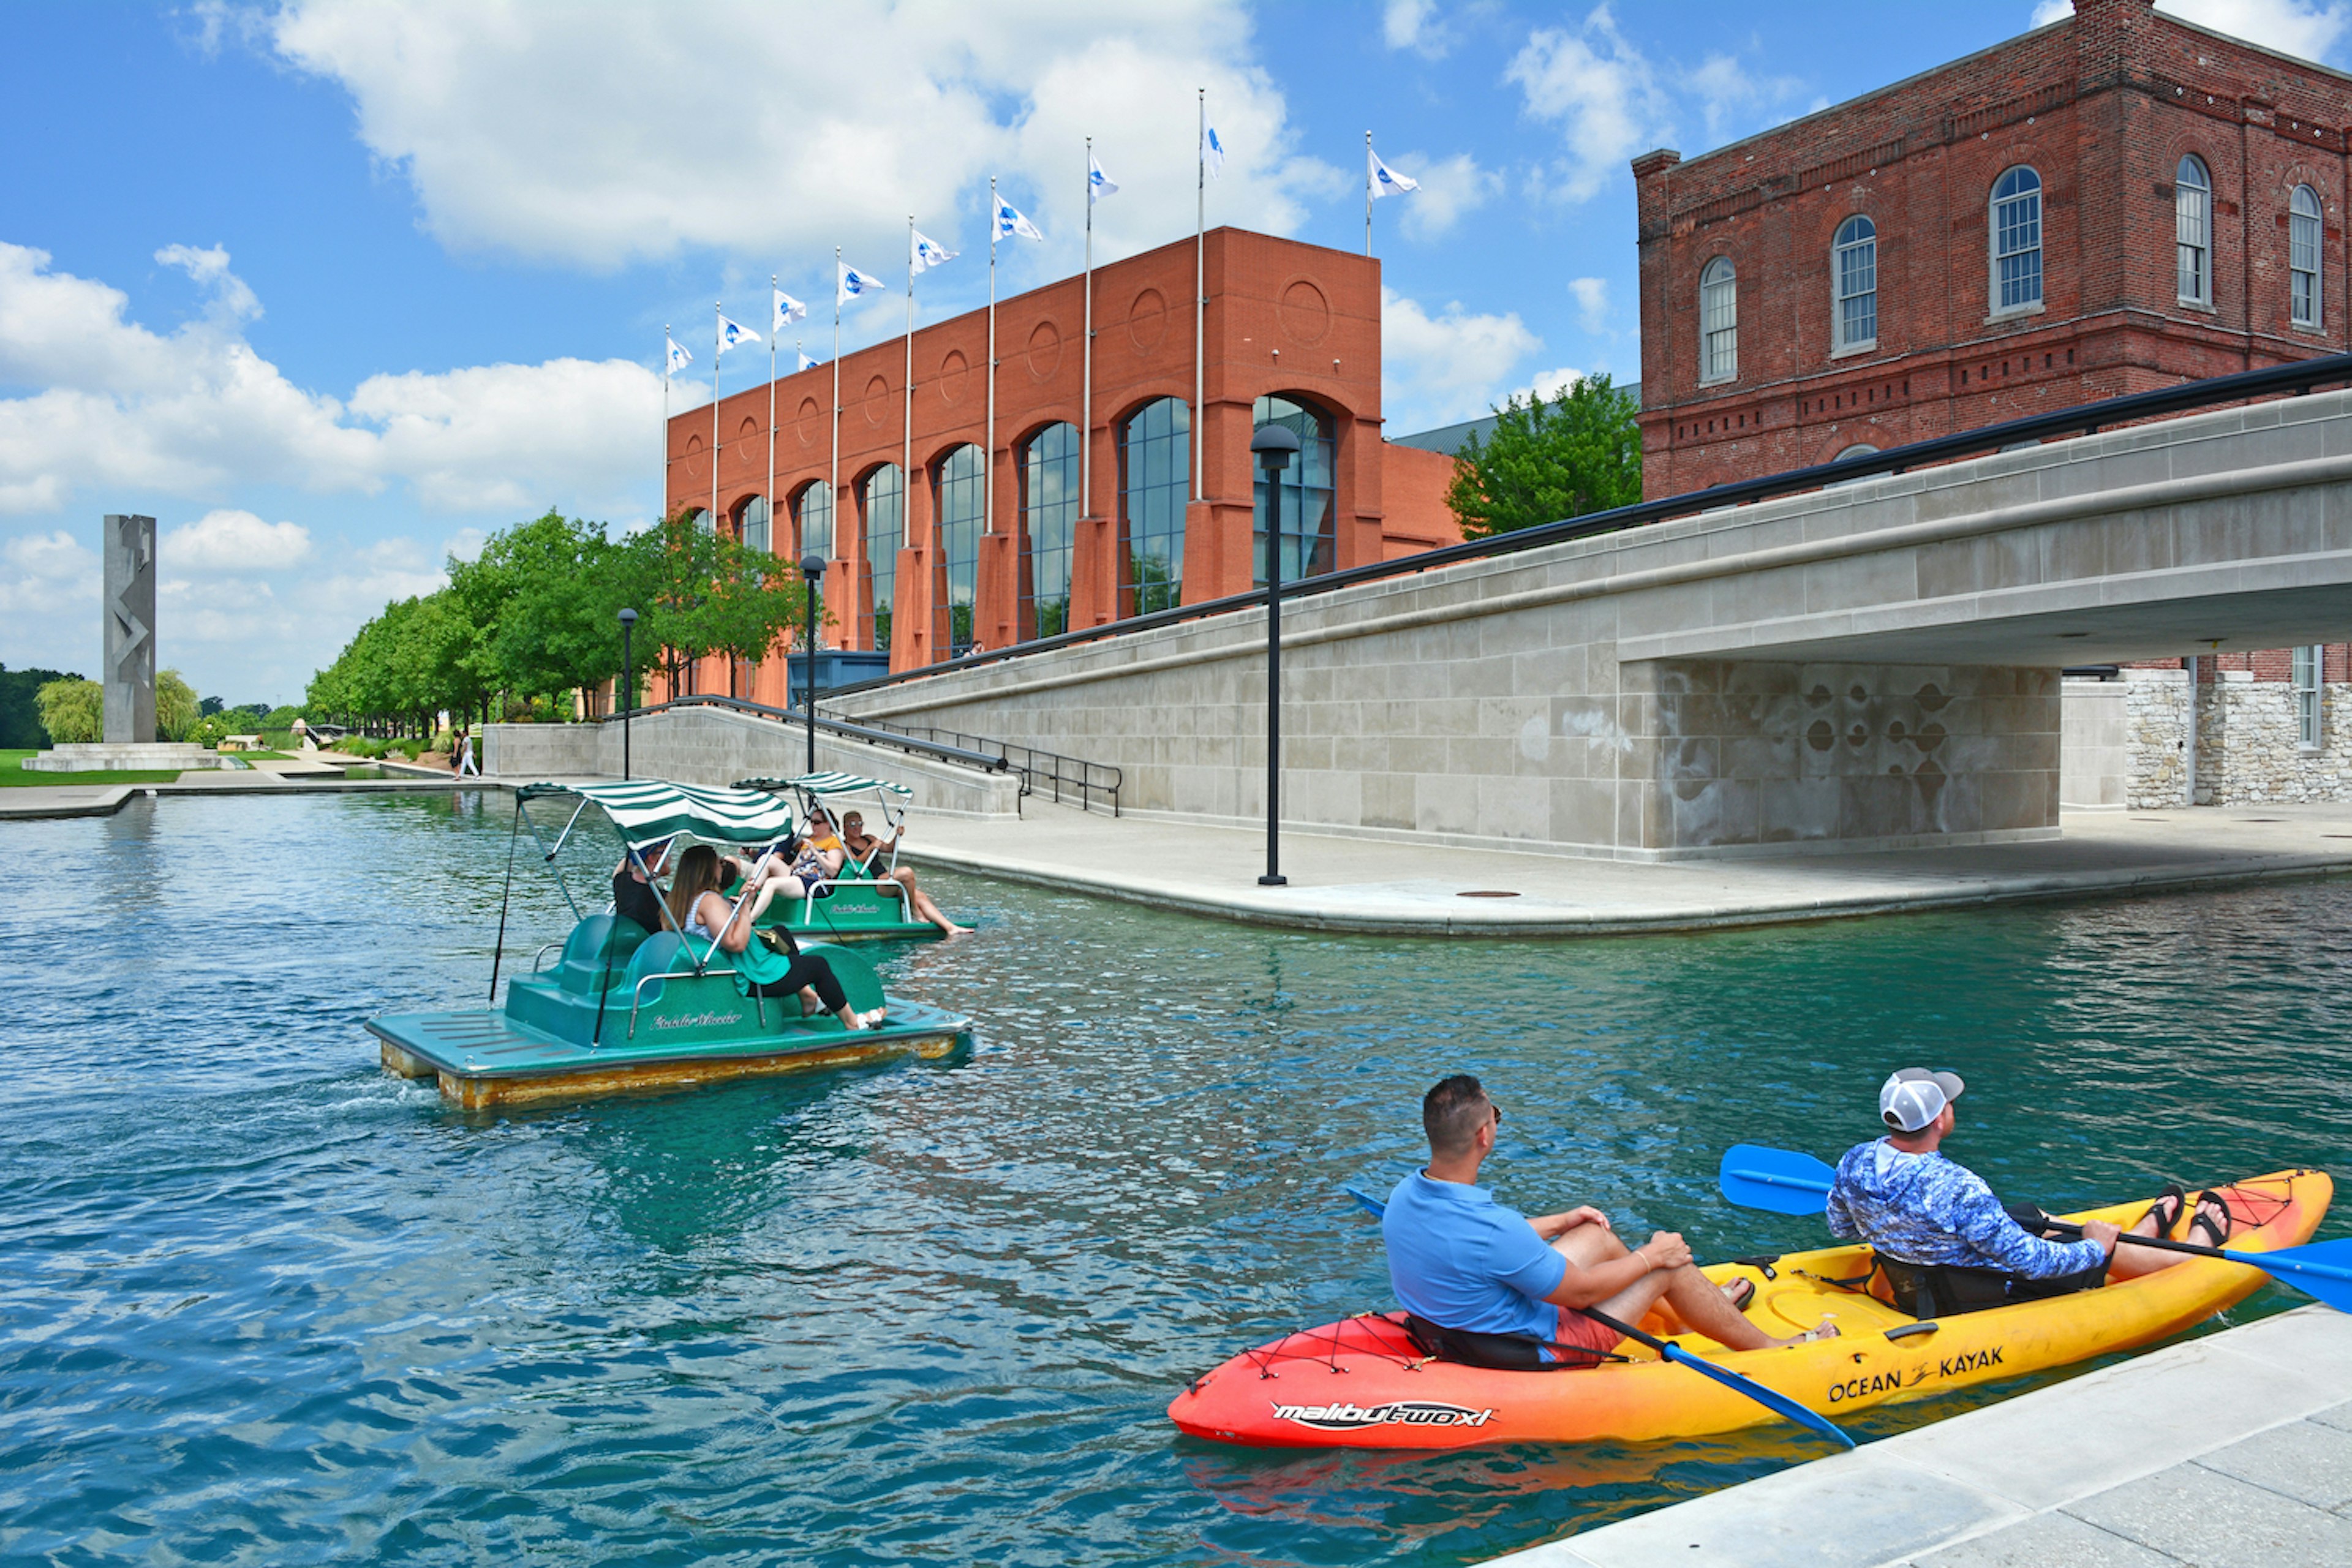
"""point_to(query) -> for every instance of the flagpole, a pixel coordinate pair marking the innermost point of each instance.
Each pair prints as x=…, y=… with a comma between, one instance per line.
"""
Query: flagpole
x=1368, y=193
x=1086, y=383
x=773, y=336
x=988, y=470
x=1200, y=289
x=907, y=425
x=661, y=507
x=718, y=346
x=833, y=476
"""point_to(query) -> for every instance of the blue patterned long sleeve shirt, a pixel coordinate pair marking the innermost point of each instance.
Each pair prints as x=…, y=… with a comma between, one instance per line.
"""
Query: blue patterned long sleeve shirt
x=1923, y=1208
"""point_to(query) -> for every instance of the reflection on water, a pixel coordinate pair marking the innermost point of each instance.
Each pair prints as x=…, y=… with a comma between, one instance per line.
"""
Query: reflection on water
x=258, y=1303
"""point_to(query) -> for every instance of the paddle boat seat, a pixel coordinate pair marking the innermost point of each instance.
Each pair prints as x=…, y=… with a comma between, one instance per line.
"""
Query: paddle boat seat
x=586, y=966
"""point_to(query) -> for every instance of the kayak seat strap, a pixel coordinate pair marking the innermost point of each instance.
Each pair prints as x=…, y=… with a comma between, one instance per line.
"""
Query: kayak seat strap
x=1498, y=1352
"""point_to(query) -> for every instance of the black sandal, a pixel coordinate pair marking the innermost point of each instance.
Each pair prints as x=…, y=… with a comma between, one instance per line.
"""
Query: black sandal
x=1742, y=1294
x=2204, y=1221
x=2175, y=1195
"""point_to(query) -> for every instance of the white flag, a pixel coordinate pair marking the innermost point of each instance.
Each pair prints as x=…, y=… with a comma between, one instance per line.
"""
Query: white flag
x=1385, y=181
x=1098, y=184
x=923, y=254
x=806, y=363
x=852, y=283
x=1212, y=152
x=733, y=332
x=679, y=358
x=1010, y=222
x=788, y=309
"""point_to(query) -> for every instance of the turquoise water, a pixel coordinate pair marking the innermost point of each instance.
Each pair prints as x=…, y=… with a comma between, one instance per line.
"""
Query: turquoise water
x=259, y=1303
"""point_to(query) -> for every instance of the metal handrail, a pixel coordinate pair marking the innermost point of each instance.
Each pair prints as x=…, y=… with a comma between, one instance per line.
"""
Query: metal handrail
x=1086, y=780
x=2295, y=380
x=988, y=763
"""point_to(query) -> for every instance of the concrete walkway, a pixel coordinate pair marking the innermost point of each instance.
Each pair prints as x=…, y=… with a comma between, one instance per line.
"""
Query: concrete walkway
x=2233, y=1450
x=1374, y=885
x=37, y=801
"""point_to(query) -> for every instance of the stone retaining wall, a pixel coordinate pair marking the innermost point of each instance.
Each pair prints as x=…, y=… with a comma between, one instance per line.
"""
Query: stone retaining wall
x=2248, y=748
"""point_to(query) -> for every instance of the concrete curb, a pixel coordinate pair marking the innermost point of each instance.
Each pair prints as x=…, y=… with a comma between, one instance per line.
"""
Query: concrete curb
x=114, y=797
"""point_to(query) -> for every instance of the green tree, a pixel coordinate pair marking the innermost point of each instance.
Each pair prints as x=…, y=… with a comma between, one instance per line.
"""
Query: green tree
x=176, y=706
x=1549, y=460
x=20, y=714
x=73, y=710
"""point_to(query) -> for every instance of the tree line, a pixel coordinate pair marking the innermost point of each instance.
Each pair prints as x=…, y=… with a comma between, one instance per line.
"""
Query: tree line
x=536, y=615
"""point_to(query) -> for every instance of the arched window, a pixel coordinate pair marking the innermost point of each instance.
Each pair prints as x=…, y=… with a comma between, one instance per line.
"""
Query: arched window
x=751, y=523
x=1718, y=322
x=1049, y=526
x=1859, y=449
x=1153, y=451
x=1310, y=530
x=2192, y=228
x=882, y=525
x=2303, y=256
x=959, y=487
x=2017, y=240
x=1854, y=264
x=699, y=518
x=812, y=512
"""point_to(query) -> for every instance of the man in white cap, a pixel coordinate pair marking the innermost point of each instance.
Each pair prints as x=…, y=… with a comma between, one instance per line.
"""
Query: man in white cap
x=1948, y=1243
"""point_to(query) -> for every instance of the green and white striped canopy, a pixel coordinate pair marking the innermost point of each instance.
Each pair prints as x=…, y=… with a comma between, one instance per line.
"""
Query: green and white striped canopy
x=649, y=810
x=827, y=784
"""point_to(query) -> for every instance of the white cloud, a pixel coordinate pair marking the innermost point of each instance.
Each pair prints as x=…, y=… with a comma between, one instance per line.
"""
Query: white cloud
x=1436, y=369
x=229, y=540
x=1591, y=302
x=1551, y=383
x=1733, y=102
x=1600, y=92
x=657, y=129
x=1449, y=187
x=46, y=570
x=2291, y=26
x=1414, y=24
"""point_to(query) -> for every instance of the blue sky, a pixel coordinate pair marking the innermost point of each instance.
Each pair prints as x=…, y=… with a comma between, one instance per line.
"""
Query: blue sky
x=333, y=287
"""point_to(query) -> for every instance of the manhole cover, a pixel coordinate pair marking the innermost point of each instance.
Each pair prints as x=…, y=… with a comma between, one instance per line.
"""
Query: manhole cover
x=1487, y=893
x=2336, y=836
x=2262, y=820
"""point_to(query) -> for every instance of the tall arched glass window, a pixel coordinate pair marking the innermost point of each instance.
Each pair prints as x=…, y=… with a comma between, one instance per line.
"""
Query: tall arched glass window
x=813, y=514
x=1854, y=263
x=2192, y=228
x=1719, y=321
x=1049, y=526
x=1153, y=483
x=882, y=523
x=2017, y=240
x=699, y=517
x=1310, y=529
x=959, y=486
x=2303, y=256
x=751, y=523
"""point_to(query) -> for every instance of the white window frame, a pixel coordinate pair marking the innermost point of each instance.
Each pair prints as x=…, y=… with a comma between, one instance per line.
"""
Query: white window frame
x=1853, y=251
x=2305, y=234
x=1720, y=279
x=2307, y=678
x=1993, y=242
x=2192, y=231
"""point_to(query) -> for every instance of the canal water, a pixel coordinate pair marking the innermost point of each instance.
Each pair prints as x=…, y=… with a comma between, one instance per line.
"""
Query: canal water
x=259, y=1303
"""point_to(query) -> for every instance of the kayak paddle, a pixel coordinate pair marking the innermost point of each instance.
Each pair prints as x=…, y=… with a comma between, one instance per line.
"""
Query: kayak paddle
x=1779, y=1404
x=1785, y=1181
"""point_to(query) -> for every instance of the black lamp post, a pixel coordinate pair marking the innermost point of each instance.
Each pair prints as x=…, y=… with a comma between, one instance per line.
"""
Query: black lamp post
x=812, y=572
x=628, y=686
x=1275, y=446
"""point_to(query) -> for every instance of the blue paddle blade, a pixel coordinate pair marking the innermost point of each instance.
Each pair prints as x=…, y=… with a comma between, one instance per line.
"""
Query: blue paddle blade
x=1372, y=1205
x=1779, y=1180
x=2323, y=1269
x=1778, y=1403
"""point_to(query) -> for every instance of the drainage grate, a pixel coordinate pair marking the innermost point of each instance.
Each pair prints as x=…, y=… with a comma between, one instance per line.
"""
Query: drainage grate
x=1487, y=893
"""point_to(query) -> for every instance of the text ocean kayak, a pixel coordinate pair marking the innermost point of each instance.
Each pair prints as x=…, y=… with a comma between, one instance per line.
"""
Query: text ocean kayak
x=1363, y=1383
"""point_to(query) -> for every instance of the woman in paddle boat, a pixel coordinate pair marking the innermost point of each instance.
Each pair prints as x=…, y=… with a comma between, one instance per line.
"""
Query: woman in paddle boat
x=703, y=914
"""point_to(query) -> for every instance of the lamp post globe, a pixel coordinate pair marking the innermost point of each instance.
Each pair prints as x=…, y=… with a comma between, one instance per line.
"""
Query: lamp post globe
x=1275, y=446
x=628, y=684
x=812, y=572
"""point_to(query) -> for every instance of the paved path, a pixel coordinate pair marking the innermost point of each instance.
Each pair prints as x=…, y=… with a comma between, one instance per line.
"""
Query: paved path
x=2230, y=1451
x=37, y=801
x=1373, y=885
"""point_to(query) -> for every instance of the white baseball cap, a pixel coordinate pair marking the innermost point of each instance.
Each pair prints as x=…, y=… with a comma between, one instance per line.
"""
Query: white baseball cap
x=1914, y=1097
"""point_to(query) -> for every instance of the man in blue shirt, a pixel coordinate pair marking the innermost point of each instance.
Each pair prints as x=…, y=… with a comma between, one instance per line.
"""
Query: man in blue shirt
x=1915, y=1206
x=1462, y=1261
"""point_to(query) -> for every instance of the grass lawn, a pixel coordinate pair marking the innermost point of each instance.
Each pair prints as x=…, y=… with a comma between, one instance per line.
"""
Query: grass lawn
x=12, y=773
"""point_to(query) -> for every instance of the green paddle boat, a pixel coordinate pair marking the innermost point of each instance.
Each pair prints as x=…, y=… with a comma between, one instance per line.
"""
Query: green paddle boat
x=863, y=903
x=622, y=1009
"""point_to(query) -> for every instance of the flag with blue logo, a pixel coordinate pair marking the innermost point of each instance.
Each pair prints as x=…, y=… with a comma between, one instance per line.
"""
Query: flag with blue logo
x=1212, y=152
x=733, y=332
x=806, y=363
x=1098, y=184
x=679, y=358
x=852, y=283
x=1010, y=222
x=924, y=253
x=1385, y=181
x=788, y=309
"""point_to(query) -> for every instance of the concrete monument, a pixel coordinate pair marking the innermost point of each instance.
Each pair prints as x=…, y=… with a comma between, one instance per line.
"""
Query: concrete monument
x=127, y=546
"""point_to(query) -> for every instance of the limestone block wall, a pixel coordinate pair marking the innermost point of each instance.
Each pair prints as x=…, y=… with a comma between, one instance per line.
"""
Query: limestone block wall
x=2095, y=746
x=2255, y=755
x=712, y=746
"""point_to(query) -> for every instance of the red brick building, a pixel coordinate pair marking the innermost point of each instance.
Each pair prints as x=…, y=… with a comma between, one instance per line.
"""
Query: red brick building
x=2113, y=203
x=1072, y=518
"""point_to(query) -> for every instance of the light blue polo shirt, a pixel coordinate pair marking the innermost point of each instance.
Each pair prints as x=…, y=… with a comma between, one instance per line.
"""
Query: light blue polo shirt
x=1463, y=1261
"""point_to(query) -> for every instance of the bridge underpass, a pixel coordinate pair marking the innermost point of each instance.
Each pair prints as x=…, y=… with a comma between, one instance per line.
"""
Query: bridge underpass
x=1872, y=665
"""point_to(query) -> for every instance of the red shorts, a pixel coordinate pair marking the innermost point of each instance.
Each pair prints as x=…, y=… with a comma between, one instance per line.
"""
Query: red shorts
x=1580, y=1332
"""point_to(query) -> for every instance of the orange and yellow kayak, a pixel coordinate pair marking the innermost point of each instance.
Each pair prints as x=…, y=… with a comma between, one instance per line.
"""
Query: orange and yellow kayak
x=1363, y=1383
